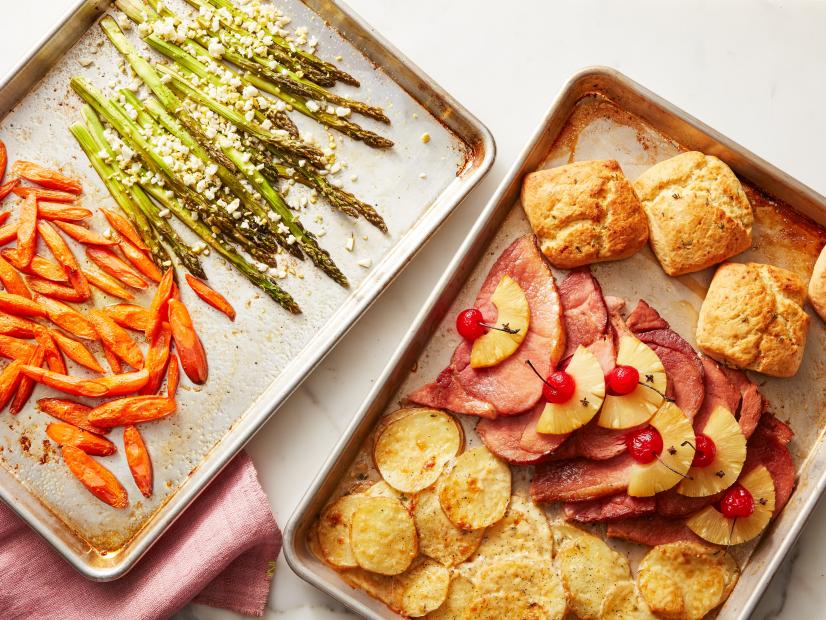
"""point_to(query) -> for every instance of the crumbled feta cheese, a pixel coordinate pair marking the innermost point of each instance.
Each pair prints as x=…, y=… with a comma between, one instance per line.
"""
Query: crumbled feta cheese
x=422, y=175
x=354, y=178
x=216, y=49
x=249, y=91
x=365, y=262
x=342, y=112
x=350, y=243
x=232, y=206
x=84, y=62
x=163, y=213
x=312, y=106
x=266, y=124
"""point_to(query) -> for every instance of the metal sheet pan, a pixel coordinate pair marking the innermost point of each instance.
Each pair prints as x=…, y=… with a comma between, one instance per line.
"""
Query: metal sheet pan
x=603, y=114
x=257, y=361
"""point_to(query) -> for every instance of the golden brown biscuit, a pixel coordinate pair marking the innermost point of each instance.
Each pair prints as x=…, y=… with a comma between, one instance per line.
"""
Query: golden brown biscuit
x=584, y=213
x=698, y=213
x=753, y=318
x=817, y=285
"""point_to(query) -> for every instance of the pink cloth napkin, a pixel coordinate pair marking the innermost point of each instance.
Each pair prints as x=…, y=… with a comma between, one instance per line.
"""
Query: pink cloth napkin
x=221, y=552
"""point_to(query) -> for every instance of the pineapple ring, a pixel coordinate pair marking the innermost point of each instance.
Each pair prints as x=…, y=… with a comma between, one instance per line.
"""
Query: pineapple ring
x=588, y=395
x=513, y=312
x=637, y=407
x=674, y=462
x=710, y=524
x=722, y=472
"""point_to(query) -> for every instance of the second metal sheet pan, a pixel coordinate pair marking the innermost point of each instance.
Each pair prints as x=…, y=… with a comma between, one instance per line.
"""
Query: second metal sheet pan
x=602, y=114
x=258, y=360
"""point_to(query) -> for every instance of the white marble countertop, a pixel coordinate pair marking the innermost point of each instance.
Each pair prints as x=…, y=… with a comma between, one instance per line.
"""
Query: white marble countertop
x=752, y=69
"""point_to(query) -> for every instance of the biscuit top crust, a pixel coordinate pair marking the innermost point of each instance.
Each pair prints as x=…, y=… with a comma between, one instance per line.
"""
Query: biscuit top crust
x=817, y=285
x=584, y=212
x=752, y=317
x=698, y=213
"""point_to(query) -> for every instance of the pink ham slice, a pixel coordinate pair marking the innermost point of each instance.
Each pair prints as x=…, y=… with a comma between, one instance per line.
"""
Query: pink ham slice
x=580, y=479
x=593, y=442
x=509, y=388
x=585, y=312
x=502, y=436
x=653, y=531
x=620, y=506
x=768, y=447
x=672, y=505
x=730, y=388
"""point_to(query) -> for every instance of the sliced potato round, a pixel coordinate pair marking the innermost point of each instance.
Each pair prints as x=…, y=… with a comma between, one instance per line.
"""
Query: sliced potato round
x=686, y=580
x=383, y=536
x=563, y=533
x=382, y=489
x=378, y=586
x=589, y=569
x=524, y=530
x=624, y=603
x=334, y=531
x=438, y=537
x=476, y=491
x=500, y=605
x=460, y=597
x=421, y=588
x=536, y=582
x=411, y=452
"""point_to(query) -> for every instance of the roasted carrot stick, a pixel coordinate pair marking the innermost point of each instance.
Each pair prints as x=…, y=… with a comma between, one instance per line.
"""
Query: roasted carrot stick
x=173, y=376
x=65, y=257
x=69, y=319
x=27, y=230
x=8, y=233
x=98, y=480
x=4, y=159
x=158, y=308
x=9, y=380
x=124, y=383
x=45, y=195
x=5, y=215
x=39, y=266
x=65, y=213
x=112, y=359
x=17, y=327
x=12, y=280
x=67, y=435
x=190, y=350
x=26, y=387
x=117, y=339
x=137, y=457
x=129, y=316
x=53, y=356
x=211, y=296
x=55, y=290
x=8, y=187
x=131, y=410
x=107, y=284
x=76, y=386
x=140, y=260
x=45, y=177
x=115, y=267
x=21, y=306
x=77, y=352
x=124, y=227
x=68, y=411
x=157, y=358
x=16, y=349
x=84, y=235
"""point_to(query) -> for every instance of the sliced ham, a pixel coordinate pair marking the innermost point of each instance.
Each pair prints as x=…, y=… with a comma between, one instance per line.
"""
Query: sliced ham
x=584, y=310
x=620, y=506
x=534, y=441
x=580, y=479
x=768, y=447
x=644, y=318
x=672, y=505
x=593, y=442
x=652, y=531
x=732, y=389
x=509, y=388
x=514, y=438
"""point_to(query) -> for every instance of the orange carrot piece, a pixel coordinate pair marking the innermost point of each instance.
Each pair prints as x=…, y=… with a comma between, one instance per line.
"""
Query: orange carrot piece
x=67, y=435
x=9, y=380
x=157, y=358
x=124, y=227
x=13, y=280
x=15, y=326
x=173, y=376
x=63, y=253
x=76, y=386
x=20, y=306
x=77, y=352
x=137, y=457
x=4, y=159
x=5, y=215
x=211, y=296
x=8, y=187
x=108, y=284
x=112, y=359
x=129, y=316
x=26, y=387
x=16, y=349
x=8, y=233
x=39, y=266
x=98, y=480
x=140, y=260
x=83, y=234
x=67, y=318
x=131, y=410
x=50, y=179
x=65, y=213
x=158, y=308
x=117, y=339
x=115, y=267
x=42, y=195
x=27, y=230
x=190, y=350
x=54, y=290
x=123, y=383
x=53, y=356
x=68, y=411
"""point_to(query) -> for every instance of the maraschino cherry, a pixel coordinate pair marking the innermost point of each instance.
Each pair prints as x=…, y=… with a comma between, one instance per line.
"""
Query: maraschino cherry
x=558, y=387
x=469, y=324
x=622, y=380
x=704, y=451
x=737, y=503
x=644, y=444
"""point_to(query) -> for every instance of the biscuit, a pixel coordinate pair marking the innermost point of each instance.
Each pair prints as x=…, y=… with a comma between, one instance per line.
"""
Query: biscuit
x=817, y=285
x=698, y=213
x=583, y=213
x=752, y=317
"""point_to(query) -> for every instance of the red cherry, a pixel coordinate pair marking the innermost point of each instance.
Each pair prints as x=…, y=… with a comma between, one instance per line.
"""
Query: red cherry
x=705, y=451
x=469, y=324
x=644, y=444
x=622, y=380
x=559, y=387
x=737, y=503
